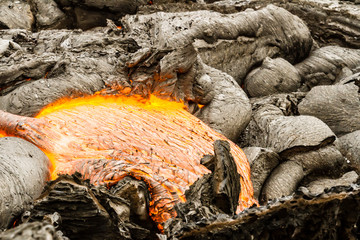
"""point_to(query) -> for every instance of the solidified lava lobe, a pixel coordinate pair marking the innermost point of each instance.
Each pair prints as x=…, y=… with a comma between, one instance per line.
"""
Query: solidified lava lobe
x=106, y=138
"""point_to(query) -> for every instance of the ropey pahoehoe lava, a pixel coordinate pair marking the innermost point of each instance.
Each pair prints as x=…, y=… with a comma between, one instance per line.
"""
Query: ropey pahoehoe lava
x=106, y=138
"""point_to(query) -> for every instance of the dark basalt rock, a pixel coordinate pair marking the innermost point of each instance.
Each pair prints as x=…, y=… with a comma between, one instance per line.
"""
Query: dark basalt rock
x=330, y=215
x=93, y=212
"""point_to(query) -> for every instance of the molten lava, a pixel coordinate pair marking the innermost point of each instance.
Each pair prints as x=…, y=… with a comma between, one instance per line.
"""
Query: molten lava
x=108, y=138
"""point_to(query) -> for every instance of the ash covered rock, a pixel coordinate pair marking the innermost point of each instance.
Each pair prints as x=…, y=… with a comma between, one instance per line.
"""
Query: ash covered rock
x=350, y=148
x=16, y=14
x=48, y=15
x=288, y=176
x=303, y=143
x=262, y=161
x=34, y=231
x=274, y=76
x=324, y=65
x=317, y=187
x=24, y=170
x=242, y=39
x=337, y=105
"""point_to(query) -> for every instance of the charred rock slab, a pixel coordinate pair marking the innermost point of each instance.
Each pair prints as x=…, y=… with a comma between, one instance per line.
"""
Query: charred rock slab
x=91, y=212
x=213, y=194
x=24, y=169
x=33, y=231
x=331, y=215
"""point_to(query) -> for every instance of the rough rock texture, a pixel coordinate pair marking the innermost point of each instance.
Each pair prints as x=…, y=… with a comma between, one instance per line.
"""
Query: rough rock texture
x=274, y=76
x=88, y=14
x=33, y=231
x=75, y=62
x=351, y=77
x=201, y=52
x=227, y=108
x=302, y=142
x=286, y=135
x=317, y=187
x=262, y=161
x=350, y=148
x=24, y=169
x=245, y=39
x=48, y=15
x=331, y=215
x=15, y=14
x=88, y=212
x=286, y=178
x=330, y=21
x=325, y=64
x=338, y=106
x=213, y=194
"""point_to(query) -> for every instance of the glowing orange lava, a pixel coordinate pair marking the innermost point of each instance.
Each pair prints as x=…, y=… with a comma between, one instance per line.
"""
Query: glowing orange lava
x=106, y=138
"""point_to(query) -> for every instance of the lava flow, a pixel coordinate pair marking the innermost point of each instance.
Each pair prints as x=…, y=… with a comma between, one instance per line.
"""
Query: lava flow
x=106, y=138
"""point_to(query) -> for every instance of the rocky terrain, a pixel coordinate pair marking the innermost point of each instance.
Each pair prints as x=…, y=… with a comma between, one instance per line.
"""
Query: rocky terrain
x=281, y=80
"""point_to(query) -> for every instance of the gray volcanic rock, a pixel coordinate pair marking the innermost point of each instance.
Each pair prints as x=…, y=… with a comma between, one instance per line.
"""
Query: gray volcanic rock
x=16, y=14
x=48, y=15
x=125, y=6
x=286, y=178
x=323, y=65
x=233, y=43
x=287, y=134
x=227, y=108
x=303, y=144
x=274, y=76
x=262, y=162
x=350, y=147
x=317, y=187
x=24, y=169
x=338, y=106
